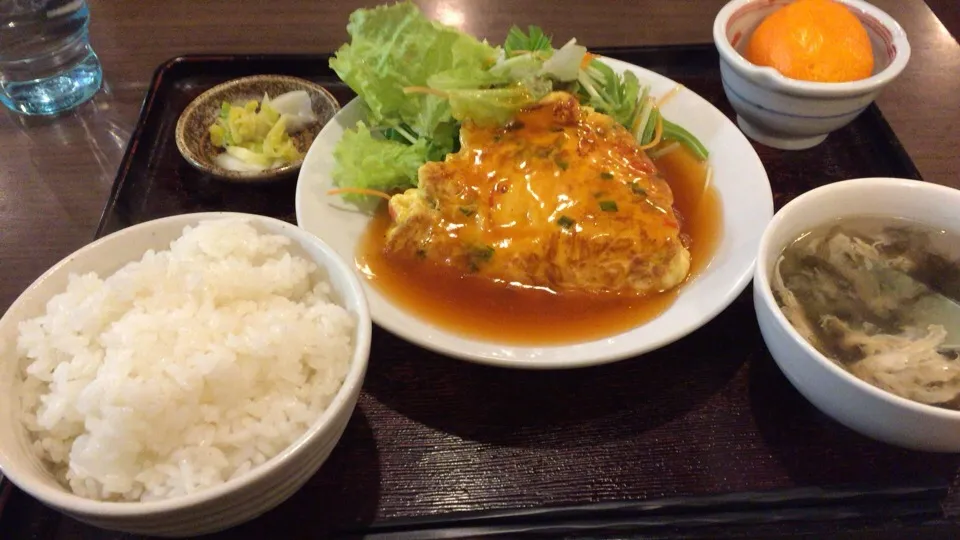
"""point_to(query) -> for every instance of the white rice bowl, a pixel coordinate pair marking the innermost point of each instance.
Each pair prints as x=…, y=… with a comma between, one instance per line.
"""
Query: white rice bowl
x=185, y=369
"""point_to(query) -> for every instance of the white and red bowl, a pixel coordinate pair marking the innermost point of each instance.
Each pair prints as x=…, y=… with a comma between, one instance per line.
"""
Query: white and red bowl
x=790, y=114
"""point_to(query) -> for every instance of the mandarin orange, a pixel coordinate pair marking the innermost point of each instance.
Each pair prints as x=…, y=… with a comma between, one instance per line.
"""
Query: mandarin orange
x=813, y=40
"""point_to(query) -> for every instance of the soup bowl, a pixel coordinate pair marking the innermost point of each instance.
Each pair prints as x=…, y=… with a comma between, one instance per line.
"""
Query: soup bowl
x=854, y=403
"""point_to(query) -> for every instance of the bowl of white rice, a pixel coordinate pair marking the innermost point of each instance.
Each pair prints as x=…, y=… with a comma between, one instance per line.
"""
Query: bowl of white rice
x=182, y=375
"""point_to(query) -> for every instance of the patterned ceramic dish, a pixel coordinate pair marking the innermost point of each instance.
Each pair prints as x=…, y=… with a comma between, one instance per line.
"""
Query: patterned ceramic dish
x=790, y=114
x=192, y=135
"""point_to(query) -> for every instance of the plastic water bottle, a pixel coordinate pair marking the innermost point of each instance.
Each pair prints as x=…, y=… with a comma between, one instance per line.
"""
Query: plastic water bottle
x=46, y=63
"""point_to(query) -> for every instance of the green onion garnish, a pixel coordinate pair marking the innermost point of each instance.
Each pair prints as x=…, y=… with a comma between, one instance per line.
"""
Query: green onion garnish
x=673, y=132
x=565, y=222
x=608, y=206
x=483, y=253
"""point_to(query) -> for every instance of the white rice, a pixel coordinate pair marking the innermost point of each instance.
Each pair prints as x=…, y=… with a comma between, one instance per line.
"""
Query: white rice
x=185, y=369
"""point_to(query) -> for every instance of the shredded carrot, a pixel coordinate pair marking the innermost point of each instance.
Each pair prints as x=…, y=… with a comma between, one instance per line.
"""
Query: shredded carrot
x=657, y=134
x=359, y=191
x=587, y=58
x=669, y=95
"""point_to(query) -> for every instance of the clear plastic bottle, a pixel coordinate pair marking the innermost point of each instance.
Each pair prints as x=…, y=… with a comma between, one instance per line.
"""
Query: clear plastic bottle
x=46, y=63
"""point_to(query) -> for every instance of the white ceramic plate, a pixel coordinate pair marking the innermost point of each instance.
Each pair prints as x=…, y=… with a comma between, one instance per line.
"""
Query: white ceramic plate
x=738, y=176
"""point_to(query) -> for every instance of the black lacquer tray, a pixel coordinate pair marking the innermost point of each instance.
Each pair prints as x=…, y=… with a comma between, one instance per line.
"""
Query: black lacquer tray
x=701, y=439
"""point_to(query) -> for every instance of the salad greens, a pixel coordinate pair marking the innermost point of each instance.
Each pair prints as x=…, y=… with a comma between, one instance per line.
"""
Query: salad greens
x=420, y=80
x=383, y=164
x=533, y=41
x=616, y=95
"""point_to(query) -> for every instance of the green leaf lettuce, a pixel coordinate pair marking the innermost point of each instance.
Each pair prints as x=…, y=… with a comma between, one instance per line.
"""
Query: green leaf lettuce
x=396, y=47
x=365, y=161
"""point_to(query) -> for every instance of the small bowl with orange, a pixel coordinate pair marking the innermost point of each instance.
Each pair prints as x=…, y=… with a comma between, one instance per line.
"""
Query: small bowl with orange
x=795, y=71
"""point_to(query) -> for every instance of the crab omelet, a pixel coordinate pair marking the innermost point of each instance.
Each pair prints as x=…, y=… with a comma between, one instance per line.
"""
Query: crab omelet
x=562, y=198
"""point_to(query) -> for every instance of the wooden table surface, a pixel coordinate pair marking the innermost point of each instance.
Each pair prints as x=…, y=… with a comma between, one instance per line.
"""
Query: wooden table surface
x=55, y=174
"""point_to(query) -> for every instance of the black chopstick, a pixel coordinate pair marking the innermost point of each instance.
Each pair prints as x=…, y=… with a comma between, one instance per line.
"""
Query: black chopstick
x=813, y=504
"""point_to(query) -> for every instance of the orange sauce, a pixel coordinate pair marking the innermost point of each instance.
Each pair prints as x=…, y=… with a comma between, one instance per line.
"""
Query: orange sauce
x=481, y=308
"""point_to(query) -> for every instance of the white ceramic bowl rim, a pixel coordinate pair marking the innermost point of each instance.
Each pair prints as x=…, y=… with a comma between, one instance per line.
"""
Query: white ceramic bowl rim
x=75, y=503
x=762, y=280
x=773, y=78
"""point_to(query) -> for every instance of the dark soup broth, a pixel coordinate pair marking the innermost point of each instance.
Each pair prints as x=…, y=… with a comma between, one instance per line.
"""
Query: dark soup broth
x=879, y=296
